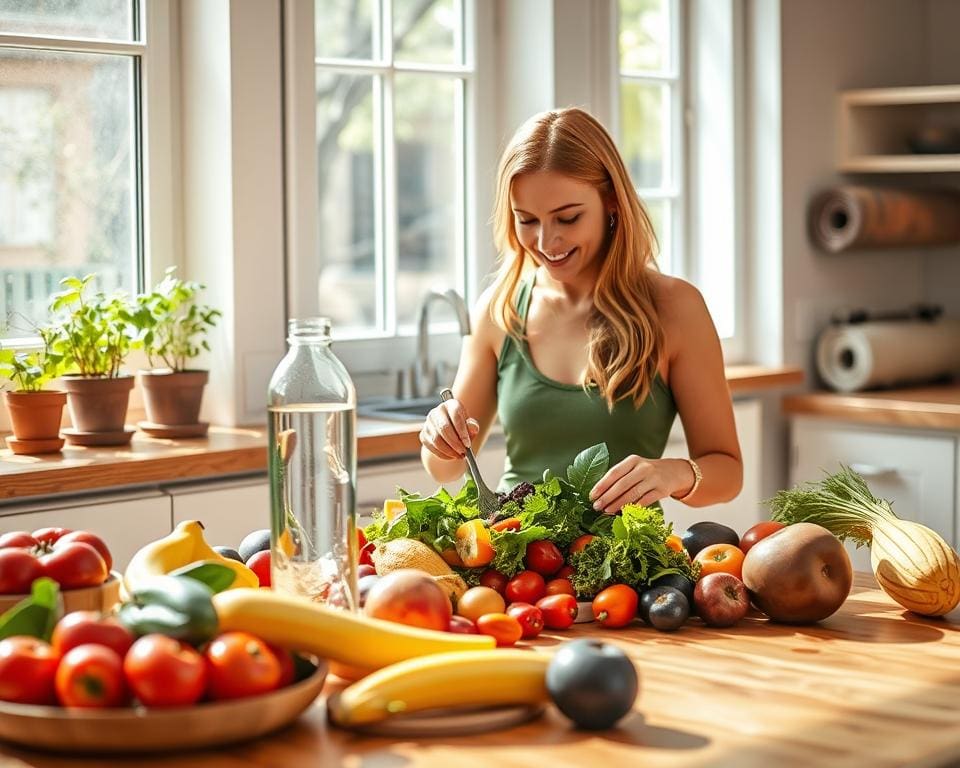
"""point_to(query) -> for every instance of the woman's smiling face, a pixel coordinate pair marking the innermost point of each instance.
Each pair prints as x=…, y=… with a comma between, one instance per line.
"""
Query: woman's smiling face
x=562, y=222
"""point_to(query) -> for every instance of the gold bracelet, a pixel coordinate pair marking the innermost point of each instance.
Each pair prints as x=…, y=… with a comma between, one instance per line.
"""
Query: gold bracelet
x=697, y=477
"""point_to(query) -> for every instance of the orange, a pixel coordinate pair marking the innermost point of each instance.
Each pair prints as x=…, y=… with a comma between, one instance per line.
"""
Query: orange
x=473, y=544
x=720, y=558
x=675, y=543
x=393, y=508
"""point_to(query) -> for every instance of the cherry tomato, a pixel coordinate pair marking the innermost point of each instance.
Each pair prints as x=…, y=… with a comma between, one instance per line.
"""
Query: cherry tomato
x=259, y=563
x=503, y=628
x=18, y=569
x=615, y=606
x=580, y=543
x=87, y=538
x=75, y=565
x=757, y=532
x=560, y=587
x=27, y=670
x=565, y=573
x=239, y=664
x=365, y=548
x=493, y=579
x=543, y=557
x=525, y=587
x=91, y=676
x=529, y=616
x=163, y=672
x=49, y=536
x=558, y=611
x=510, y=524
x=473, y=544
x=461, y=625
x=83, y=627
x=720, y=558
x=18, y=539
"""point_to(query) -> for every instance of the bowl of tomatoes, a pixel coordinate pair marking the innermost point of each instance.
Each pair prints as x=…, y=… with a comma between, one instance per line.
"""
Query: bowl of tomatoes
x=79, y=561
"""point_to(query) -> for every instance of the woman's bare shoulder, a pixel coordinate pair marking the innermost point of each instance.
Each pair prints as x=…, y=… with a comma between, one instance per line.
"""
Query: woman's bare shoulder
x=483, y=328
x=681, y=307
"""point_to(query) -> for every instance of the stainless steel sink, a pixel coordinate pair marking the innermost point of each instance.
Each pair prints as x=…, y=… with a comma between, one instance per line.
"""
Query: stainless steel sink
x=392, y=409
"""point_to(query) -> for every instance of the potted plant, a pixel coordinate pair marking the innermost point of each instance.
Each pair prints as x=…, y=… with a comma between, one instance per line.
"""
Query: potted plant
x=172, y=328
x=93, y=335
x=35, y=412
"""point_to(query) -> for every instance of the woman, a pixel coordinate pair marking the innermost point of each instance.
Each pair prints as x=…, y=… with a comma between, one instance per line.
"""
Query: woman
x=581, y=340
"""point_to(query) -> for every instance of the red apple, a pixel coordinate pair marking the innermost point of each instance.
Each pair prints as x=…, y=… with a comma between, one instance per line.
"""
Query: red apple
x=721, y=599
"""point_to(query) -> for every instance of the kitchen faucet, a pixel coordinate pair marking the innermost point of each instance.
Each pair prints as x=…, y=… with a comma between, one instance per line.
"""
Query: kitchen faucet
x=424, y=375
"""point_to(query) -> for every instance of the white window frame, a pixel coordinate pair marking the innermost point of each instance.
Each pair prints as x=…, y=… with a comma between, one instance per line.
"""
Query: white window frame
x=392, y=348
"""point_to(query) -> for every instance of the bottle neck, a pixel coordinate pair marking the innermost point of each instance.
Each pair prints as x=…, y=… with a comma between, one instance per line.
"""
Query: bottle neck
x=310, y=331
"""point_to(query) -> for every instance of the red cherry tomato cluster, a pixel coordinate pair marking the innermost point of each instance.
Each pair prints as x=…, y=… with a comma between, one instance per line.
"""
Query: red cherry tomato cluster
x=93, y=661
x=73, y=559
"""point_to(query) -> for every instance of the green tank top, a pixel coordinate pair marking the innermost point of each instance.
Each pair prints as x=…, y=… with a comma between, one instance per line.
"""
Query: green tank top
x=547, y=423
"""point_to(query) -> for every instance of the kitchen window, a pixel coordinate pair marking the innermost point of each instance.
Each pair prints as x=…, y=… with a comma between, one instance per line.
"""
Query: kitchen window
x=73, y=160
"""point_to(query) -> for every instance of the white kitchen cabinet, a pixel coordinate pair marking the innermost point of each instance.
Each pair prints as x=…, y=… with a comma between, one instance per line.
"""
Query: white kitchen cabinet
x=229, y=510
x=125, y=521
x=743, y=511
x=915, y=471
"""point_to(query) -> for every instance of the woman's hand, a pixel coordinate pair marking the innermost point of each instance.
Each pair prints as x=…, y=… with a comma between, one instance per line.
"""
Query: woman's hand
x=447, y=430
x=637, y=480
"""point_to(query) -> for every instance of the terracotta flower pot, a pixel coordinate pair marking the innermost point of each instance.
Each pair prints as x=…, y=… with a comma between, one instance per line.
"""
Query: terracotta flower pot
x=35, y=418
x=172, y=398
x=98, y=404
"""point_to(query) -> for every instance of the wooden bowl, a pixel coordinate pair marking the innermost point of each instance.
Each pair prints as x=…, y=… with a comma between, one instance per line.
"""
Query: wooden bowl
x=136, y=729
x=100, y=598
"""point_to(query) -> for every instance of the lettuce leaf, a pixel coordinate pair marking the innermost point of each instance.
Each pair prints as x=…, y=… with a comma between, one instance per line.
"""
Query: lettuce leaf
x=510, y=547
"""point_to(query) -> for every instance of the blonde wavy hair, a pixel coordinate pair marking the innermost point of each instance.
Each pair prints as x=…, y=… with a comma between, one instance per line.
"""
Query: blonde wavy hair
x=626, y=336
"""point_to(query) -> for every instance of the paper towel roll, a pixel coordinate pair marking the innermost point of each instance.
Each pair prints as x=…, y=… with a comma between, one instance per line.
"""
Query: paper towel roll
x=880, y=354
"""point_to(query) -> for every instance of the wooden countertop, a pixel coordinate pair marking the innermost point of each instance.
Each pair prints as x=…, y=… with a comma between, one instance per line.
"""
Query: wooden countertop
x=230, y=451
x=936, y=407
x=871, y=685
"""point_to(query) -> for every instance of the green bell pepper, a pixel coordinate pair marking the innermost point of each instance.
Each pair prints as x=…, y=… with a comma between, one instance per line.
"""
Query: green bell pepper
x=176, y=606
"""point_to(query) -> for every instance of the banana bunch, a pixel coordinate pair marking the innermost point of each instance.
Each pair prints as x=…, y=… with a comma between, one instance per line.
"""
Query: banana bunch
x=185, y=545
x=457, y=679
x=349, y=638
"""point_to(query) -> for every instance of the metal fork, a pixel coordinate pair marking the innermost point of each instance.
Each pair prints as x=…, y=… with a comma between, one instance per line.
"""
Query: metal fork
x=487, y=500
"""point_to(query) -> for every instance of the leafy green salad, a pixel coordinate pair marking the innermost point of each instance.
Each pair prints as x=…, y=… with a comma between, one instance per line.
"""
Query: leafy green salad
x=629, y=548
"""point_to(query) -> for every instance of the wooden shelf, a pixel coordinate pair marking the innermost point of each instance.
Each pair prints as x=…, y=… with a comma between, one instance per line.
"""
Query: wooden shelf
x=876, y=126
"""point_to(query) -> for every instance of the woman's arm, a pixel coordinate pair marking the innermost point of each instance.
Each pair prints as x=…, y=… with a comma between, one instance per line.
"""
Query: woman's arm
x=474, y=398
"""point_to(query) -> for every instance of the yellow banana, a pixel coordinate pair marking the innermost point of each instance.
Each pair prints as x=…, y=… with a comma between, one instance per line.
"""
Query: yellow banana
x=183, y=546
x=298, y=624
x=457, y=679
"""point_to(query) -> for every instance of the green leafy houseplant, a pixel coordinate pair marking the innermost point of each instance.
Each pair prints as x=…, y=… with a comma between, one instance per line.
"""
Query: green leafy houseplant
x=31, y=369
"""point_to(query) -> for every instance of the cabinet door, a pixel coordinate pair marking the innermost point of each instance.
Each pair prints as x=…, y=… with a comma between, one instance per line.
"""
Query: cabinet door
x=125, y=523
x=228, y=510
x=915, y=472
x=743, y=511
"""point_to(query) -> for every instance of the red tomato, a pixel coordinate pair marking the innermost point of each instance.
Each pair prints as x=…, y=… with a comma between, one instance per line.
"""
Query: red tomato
x=757, y=532
x=461, y=625
x=720, y=558
x=503, y=628
x=529, y=616
x=543, y=557
x=18, y=569
x=83, y=627
x=525, y=587
x=365, y=548
x=49, y=535
x=565, y=573
x=239, y=664
x=75, y=565
x=287, y=670
x=580, y=543
x=27, y=670
x=615, y=606
x=510, y=524
x=163, y=672
x=558, y=611
x=493, y=579
x=560, y=587
x=91, y=676
x=18, y=539
x=87, y=538
x=259, y=563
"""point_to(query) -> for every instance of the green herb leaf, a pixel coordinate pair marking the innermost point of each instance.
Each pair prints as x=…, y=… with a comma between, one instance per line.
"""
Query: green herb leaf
x=588, y=467
x=510, y=548
x=36, y=615
x=215, y=575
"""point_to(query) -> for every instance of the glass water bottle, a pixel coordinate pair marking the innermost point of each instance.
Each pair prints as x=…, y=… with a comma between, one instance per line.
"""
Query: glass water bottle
x=313, y=470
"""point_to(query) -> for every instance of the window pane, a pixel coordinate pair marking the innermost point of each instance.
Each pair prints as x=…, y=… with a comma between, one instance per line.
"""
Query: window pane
x=644, y=128
x=424, y=31
x=346, y=188
x=344, y=29
x=644, y=35
x=95, y=19
x=427, y=195
x=659, y=212
x=66, y=176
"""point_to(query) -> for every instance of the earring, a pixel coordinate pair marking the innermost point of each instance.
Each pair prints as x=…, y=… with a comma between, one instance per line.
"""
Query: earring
x=613, y=221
